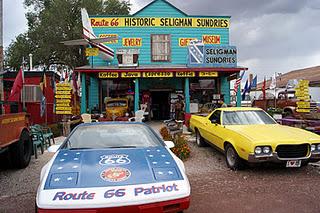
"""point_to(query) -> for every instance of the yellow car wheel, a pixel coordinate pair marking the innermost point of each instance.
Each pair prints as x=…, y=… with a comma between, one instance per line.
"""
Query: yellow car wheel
x=233, y=160
x=199, y=139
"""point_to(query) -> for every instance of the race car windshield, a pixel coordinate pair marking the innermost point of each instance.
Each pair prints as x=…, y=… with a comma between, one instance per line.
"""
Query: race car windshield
x=249, y=117
x=112, y=136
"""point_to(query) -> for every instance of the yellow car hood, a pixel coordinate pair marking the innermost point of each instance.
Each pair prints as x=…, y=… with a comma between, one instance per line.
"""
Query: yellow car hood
x=274, y=133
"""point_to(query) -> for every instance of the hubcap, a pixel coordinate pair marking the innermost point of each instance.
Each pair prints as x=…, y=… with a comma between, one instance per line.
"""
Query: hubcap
x=231, y=157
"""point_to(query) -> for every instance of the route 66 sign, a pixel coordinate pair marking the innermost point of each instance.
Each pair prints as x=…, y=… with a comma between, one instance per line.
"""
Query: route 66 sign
x=116, y=159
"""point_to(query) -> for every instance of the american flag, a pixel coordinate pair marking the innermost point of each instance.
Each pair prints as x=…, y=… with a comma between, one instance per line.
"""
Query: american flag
x=237, y=83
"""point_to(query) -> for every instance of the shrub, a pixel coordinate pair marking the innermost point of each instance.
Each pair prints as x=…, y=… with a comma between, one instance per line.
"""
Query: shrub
x=165, y=134
x=181, y=148
x=56, y=129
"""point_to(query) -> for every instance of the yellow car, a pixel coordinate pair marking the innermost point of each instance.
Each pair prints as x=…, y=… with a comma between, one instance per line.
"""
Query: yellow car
x=117, y=107
x=250, y=134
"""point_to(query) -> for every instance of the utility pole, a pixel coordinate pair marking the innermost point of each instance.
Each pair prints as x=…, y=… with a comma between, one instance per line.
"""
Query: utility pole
x=1, y=55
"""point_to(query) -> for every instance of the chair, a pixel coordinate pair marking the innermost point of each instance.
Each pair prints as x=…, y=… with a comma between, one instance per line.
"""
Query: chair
x=138, y=116
x=37, y=140
x=47, y=134
x=86, y=118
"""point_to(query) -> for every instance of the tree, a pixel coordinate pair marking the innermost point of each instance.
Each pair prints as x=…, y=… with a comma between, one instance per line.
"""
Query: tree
x=53, y=21
x=18, y=50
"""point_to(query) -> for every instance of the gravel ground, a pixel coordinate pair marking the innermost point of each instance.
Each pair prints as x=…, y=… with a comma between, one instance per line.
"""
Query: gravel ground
x=266, y=188
x=214, y=187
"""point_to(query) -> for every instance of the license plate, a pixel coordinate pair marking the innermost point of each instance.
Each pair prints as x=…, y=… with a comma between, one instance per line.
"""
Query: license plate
x=293, y=163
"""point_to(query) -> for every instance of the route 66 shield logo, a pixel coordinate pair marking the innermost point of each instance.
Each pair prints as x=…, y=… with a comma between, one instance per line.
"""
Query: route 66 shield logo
x=116, y=159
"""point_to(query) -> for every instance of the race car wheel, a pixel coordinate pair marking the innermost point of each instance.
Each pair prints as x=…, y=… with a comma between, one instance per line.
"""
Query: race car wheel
x=21, y=151
x=35, y=207
x=199, y=139
x=233, y=160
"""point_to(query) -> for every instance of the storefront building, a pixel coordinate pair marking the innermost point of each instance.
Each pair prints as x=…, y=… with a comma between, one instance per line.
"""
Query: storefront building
x=165, y=59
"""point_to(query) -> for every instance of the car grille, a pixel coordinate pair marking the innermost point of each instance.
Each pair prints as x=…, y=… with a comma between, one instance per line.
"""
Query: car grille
x=292, y=151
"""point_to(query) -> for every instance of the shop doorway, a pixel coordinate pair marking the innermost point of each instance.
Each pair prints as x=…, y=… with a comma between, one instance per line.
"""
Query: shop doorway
x=160, y=105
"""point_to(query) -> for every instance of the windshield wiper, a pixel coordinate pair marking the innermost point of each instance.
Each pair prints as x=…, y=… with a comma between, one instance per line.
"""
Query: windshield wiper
x=79, y=148
x=121, y=147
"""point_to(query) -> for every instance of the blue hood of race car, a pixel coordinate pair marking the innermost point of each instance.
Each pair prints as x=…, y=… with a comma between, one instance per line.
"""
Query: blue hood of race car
x=111, y=167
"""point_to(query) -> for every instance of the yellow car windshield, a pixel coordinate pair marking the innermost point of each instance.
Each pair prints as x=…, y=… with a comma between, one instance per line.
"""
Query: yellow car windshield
x=117, y=104
x=247, y=117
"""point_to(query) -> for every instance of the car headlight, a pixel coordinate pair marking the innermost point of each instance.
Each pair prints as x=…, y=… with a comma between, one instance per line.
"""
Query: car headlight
x=318, y=147
x=313, y=147
x=266, y=150
x=258, y=150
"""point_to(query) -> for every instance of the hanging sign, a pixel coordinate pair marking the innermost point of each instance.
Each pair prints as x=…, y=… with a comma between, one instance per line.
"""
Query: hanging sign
x=92, y=51
x=63, y=99
x=109, y=35
x=130, y=75
x=208, y=74
x=108, y=75
x=157, y=74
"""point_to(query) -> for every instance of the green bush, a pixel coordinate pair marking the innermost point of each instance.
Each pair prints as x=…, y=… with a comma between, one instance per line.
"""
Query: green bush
x=181, y=148
x=56, y=129
x=272, y=111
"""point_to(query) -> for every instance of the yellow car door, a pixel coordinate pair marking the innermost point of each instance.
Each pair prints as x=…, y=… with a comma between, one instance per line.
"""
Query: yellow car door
x=213, y=128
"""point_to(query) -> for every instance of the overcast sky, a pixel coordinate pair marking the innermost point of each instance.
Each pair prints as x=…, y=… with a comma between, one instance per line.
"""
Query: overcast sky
x=271, y=36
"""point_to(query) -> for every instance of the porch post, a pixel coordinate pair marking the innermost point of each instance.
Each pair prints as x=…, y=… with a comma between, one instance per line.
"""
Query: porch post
x=83, y=94
x=187, y=95
x=239, y=98
x=136, y=95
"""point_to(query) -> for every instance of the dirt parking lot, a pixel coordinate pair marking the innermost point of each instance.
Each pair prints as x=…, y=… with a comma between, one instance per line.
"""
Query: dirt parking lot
x=214, y=187
x=268, y=188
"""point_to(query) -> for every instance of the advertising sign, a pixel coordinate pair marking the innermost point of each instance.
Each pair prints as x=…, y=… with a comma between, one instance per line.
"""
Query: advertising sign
x=109, y=35
x=160, y=22
x=132, y=42
x=184, y=42
x=130, y=74
x=302, y=94
x=108, y=75
x=92, y=51
x=157, y=74
x=63, y=99
x=211, y=39
x=185, y=74
x=208, y=74
x=202, y=55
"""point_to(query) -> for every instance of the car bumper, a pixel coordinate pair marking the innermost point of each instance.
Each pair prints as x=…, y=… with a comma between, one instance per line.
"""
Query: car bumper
x=165, y=206
x=275, y=158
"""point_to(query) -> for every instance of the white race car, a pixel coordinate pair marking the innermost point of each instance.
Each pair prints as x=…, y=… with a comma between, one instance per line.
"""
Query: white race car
x=113, y=167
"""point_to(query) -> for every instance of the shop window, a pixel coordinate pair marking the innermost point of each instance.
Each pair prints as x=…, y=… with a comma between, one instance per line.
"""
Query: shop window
x=118, y=88
x=32, y=93
x=204, y=94
x=161, y=48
